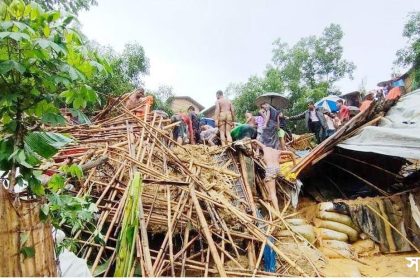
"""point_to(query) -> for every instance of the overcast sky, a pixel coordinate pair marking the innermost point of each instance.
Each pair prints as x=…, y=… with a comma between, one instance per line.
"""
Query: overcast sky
x=199, y=46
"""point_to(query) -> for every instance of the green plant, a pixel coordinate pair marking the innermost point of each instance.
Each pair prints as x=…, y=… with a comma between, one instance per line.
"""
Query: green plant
x=410, y=55
x=44, y=64
x=126, y=245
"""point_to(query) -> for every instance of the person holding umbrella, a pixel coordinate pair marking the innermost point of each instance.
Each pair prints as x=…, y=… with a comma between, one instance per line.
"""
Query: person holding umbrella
x=268, y=102
x=314, y=120
x=269, y=136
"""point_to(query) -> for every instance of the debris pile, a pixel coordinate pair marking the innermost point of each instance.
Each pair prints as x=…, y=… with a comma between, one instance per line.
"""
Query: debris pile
x=198, y=213
x=205, y=211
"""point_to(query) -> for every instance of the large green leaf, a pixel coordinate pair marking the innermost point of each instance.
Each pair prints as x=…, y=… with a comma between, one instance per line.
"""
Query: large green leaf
x=9, y=65
x=81, y=117
x=17, y=36
x=46, y=144
x=5, y=25
x=44, y=44
x=53, y=119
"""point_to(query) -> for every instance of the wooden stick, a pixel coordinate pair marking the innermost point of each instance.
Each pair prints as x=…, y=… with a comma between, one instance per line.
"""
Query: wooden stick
x=171, y=250
x=207, y=233
x=394, y=228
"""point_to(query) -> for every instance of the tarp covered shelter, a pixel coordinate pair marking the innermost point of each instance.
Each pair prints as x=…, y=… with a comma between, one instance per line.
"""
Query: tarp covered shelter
x=397, y=134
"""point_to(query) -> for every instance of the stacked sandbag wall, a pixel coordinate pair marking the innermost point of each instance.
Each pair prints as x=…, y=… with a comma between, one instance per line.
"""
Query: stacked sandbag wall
x=366, y=226
x=335, y=230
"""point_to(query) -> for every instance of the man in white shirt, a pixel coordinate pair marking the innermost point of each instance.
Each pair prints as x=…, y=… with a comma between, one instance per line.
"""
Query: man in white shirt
x=314, y=120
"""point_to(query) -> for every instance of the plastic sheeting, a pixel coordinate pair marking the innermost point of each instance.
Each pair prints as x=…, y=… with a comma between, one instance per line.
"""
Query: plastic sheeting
x=269, y=258
x=69, y=265
x=398, y=133
x=72, y=266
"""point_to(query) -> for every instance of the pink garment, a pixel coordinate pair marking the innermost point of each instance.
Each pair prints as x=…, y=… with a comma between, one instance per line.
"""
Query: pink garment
x=260, y=121
x=344, y=113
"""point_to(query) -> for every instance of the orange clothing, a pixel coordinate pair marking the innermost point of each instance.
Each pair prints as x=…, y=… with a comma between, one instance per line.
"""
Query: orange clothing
x=365, y=105
x=147, y=102
x=394, y=93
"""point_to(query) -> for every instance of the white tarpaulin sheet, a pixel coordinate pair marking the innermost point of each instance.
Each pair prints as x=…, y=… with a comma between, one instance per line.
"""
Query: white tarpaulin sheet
x=398, y=133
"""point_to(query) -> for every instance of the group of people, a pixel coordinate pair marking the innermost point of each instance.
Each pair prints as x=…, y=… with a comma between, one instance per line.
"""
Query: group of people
x=321, y=122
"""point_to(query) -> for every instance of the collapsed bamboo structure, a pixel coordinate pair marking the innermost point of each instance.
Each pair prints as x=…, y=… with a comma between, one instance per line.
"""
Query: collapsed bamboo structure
x=199, y=213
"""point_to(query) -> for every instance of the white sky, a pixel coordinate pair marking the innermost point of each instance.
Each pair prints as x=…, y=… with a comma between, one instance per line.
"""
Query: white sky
x=200, y=46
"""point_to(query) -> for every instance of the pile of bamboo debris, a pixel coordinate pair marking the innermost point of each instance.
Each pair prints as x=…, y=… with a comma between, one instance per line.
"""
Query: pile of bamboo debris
x=199, y=214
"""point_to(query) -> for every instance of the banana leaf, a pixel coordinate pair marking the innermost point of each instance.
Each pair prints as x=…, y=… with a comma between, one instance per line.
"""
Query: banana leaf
x=126, y=244
x=45, y=144
x=80, y=116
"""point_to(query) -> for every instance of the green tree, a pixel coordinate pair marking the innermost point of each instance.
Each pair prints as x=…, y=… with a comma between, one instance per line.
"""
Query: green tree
x=307, y=70
x=162, y=98
x=43, y=64
x=246, y=94
x=128, y=68
x=410, y=55
x=73, y=6
x=312, y=61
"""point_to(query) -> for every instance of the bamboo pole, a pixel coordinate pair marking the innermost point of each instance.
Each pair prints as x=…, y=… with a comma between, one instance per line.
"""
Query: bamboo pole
x=171, y=250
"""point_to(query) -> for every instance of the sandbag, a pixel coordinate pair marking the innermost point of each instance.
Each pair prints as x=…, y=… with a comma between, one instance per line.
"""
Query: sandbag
x=328, y=234
x=350, y=232
x=336, y=253
x=336, y=217
x=296, y=222
x=336, y=245
x=293, y=222
x=326, y=206
x=306, y=231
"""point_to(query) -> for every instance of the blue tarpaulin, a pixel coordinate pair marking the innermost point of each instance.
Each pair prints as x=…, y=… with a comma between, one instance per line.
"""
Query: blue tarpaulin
x=269, y=257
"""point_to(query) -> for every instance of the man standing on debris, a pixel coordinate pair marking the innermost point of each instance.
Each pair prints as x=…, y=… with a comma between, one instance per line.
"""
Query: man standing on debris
x=136, y=99
x=180, y=130
x=224, y=117
x=314, y=120
x=271, y=159
x=195, y=123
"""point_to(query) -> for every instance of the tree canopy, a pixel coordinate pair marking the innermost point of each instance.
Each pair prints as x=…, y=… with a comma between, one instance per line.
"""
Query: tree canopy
x=44, y=64
x=410, y=55
x=306, y=70
x=128, y=68
x=73, y=6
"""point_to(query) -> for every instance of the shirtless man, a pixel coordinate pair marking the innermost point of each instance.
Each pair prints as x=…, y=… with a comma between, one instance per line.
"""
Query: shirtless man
x=271, y=159
x=135, y=99
x=225, y=117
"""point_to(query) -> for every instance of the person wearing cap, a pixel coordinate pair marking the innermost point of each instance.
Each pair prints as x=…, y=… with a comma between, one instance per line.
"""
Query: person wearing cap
x=314, y=120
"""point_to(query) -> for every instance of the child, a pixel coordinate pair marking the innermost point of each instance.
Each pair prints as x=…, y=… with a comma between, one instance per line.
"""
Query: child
x=271, y=159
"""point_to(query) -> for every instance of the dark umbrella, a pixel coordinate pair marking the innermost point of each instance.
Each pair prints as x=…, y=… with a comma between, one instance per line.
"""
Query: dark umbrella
x=274, y=99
